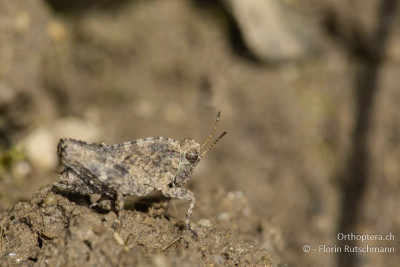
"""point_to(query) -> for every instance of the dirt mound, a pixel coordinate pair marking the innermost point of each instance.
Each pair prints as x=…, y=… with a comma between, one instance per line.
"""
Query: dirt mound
x=52, y=229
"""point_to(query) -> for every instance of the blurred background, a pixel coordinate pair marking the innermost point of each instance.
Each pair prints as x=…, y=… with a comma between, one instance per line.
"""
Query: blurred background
x=308, y=92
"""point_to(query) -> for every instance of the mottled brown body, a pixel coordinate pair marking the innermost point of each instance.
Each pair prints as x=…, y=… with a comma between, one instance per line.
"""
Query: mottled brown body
x=132, y=168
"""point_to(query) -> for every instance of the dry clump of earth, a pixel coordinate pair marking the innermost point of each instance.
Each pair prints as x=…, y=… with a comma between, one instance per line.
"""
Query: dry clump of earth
x=55, y=229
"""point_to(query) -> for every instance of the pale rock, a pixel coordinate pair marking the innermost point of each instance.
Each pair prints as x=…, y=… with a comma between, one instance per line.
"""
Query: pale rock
x=40, y=146
x=268, y=29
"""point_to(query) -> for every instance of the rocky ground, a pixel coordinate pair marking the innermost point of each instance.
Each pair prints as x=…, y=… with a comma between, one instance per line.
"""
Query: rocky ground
x=308, y=93
x=55, y=230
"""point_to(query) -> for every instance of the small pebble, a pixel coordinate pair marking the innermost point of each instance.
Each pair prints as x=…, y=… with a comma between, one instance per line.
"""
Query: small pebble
x=205, y=223
x=50, y=199
x=119, y=239
x=223, y=216
x=94, y=198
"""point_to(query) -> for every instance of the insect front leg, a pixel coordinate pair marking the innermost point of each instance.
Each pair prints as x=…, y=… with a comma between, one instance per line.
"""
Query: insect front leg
x=119, y=206
x=181, y=193
x=119, y=202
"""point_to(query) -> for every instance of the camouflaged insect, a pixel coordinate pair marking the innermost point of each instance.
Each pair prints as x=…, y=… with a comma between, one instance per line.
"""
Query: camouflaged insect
x=133, y=168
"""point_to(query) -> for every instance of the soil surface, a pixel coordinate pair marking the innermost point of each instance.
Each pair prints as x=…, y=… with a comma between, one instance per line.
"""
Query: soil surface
x=308, y=93
x=53, y=230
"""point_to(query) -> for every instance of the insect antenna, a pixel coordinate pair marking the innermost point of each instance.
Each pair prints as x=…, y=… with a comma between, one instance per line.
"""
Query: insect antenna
x=212, y=131
x=212, y=144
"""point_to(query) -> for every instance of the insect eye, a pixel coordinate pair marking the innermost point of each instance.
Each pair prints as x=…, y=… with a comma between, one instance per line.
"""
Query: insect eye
x=192, y=156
